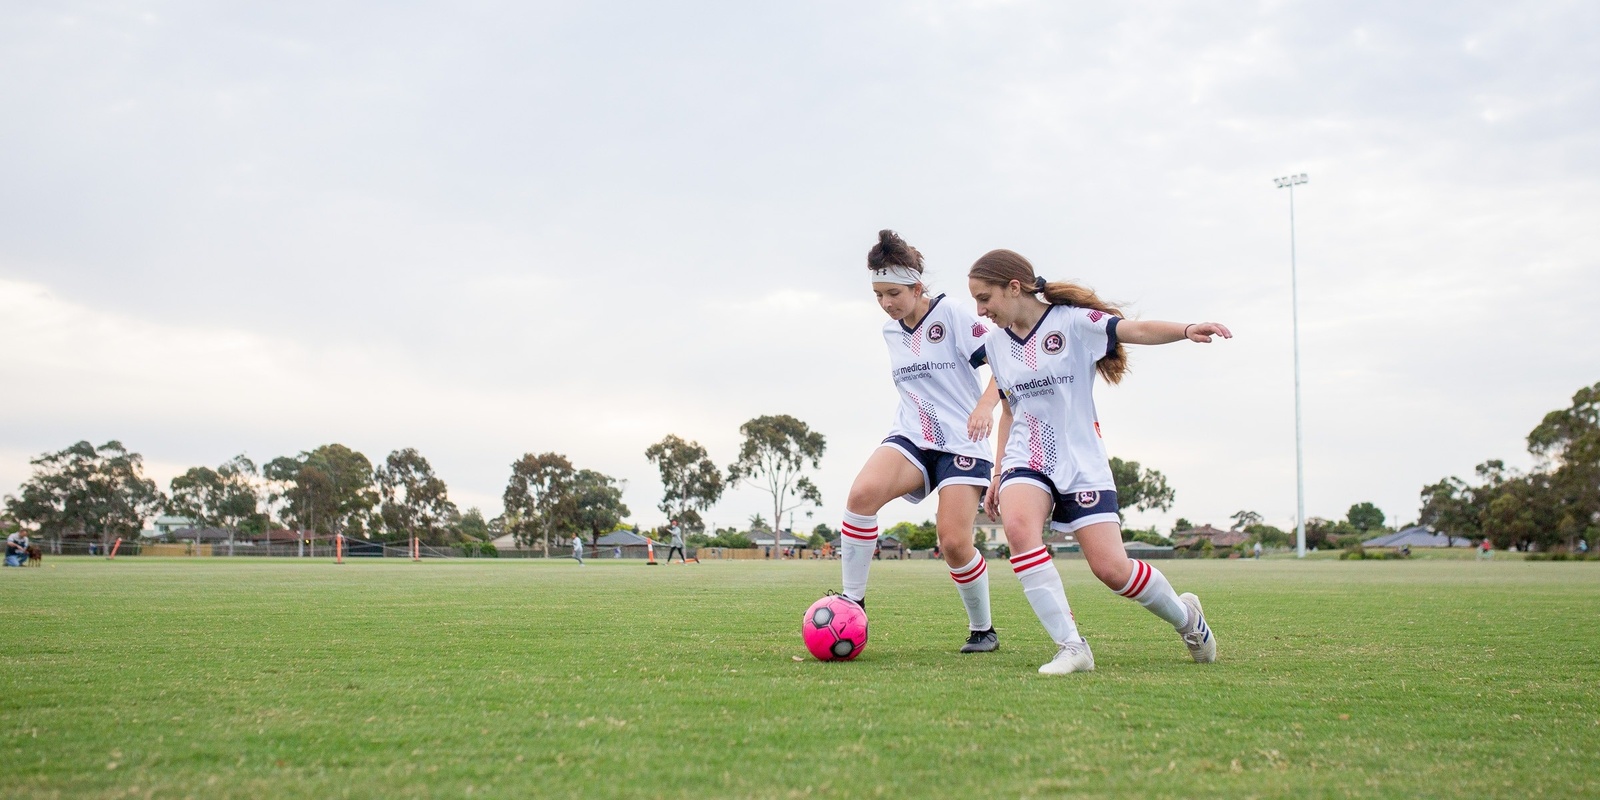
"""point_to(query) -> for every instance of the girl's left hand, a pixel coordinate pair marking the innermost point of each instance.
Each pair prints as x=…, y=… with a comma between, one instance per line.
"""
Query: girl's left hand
x=1203, y=331
x=979, y=425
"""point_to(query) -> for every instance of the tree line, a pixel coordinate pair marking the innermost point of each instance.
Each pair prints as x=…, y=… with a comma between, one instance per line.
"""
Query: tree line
x=1551, y=506
x=101, y=493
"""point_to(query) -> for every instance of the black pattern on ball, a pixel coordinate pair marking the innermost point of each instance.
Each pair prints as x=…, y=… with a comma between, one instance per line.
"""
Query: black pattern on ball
x=842, y=648
x=822, y=618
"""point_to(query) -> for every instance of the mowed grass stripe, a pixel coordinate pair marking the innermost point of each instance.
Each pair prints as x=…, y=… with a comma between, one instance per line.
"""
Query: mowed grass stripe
x=287, y=679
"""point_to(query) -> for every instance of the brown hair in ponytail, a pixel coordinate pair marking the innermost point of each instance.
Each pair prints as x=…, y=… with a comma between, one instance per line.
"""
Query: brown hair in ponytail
x=892, y=251
x=1001, y=267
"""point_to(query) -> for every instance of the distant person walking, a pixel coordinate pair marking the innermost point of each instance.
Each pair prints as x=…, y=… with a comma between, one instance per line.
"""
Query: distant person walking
x=577, y=549
x=1483, y=549
x=676, y=532
x=1258, y=551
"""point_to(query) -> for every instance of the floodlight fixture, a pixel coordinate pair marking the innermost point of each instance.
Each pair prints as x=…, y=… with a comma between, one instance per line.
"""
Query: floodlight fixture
x=1289, y=182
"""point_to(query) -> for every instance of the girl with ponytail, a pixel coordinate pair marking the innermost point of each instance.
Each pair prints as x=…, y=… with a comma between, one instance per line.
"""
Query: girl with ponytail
x=1050, y=340
x=939, y=443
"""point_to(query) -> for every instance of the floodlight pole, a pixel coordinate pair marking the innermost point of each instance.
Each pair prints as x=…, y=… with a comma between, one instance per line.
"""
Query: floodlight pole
x=1289, y=183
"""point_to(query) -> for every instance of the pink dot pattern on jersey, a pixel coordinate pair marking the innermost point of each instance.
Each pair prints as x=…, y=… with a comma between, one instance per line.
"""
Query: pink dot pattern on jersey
x=1041, y=444
x=1026, y=352
x=912, y=341
x=932, y=431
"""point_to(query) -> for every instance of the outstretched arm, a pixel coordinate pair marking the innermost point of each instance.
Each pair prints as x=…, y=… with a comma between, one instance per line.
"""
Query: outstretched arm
x=982, y=419
x=1140, y=331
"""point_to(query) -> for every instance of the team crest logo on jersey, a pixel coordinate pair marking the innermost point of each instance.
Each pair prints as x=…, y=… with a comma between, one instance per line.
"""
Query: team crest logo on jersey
x=1088, y=499
x=1095, y=316
x=965, y=462
x=1097, y=429
x=936, y=332
x=1054, y=342
x=978, y=331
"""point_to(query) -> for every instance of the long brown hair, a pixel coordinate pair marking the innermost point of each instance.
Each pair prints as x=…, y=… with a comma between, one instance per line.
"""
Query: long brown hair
x=1001, y=267
x=893, y=251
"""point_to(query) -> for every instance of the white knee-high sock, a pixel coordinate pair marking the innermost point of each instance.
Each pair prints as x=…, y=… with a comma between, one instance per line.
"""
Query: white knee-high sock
x=972, y=581
x=855, y=552
x=1042, y=586
x=1149, y=588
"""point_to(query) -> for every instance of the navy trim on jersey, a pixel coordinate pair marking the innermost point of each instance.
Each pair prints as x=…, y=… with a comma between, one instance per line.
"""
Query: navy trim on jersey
x=924, y=316
x=1024, y=339
x=1111, y=335
x=980, y=357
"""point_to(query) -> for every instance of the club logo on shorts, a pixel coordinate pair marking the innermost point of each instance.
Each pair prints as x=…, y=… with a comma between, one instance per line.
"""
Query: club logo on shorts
x=1054, y=342
x=965, y=462
x=936, y=332
x=1088, y=499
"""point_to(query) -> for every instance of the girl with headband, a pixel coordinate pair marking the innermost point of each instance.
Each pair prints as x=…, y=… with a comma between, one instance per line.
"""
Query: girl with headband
x=939, y=444
x=1044, y=354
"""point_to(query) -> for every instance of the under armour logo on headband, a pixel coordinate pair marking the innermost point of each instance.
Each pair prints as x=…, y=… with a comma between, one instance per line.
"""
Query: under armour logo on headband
x=905, y=276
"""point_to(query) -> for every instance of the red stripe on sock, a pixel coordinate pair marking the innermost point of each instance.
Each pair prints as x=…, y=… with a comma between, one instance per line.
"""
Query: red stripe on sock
x=1030, y=560
x=1030, y=554
x=967, y=570
x=863, y=536
x=971, y=575
x=848, y=528
x=1141, y=579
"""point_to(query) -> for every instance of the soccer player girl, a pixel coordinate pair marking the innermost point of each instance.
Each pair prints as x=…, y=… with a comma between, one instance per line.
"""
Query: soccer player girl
x=939, y=444
x=1049, y=341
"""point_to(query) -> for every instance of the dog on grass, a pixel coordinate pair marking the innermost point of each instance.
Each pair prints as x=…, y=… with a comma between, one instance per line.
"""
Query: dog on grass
x=35, y=556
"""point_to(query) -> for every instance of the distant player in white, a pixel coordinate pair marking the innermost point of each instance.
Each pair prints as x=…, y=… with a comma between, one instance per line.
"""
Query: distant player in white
x=1044, y=354
x=939, y=443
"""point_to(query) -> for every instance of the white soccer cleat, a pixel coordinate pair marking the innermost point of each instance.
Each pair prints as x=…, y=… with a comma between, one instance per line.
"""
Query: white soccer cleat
x=1202, y=645
x=1071, y=657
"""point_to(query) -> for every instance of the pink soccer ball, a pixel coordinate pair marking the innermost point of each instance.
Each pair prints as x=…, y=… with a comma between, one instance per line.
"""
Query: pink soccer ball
x=835, y=629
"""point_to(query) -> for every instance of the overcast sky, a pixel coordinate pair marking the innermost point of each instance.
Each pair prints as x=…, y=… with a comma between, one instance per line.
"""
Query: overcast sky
x=483, y=229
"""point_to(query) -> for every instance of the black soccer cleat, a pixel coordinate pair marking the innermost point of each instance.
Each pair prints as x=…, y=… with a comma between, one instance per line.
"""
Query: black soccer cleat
x=981, y=642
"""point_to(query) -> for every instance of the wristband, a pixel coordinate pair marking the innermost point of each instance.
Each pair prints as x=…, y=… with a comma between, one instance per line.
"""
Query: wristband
x=1186, y=329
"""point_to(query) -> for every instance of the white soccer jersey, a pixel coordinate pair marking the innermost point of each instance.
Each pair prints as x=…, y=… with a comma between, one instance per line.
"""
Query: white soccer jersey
x=935, y=368
x=1047, y=379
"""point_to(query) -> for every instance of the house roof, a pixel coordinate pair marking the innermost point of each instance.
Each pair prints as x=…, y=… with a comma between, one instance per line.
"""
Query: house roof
x=1205, y=530
x=1217, y=539
x=1417, y=536
x=1144, y=546
x=764, y=539
x=623, y=538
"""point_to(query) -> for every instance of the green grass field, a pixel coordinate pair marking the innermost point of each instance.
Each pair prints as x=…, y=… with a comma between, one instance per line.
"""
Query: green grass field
x=240, y=678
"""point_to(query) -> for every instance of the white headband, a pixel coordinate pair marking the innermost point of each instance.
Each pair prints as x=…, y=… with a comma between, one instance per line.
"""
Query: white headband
x=901, y=275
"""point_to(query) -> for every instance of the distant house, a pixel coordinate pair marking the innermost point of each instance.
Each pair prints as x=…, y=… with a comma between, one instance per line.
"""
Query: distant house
x=1417, y=536
x=624, y=537
x=1060, y=542
x=1147, y=550
x=165, y=525
x=1183, y=540
x=784, y=539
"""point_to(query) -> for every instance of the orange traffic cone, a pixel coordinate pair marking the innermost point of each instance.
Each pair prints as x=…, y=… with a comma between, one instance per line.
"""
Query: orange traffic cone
x=650, y=550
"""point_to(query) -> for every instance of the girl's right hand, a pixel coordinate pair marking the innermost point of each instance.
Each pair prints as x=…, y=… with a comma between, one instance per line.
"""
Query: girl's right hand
x=991, y=499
